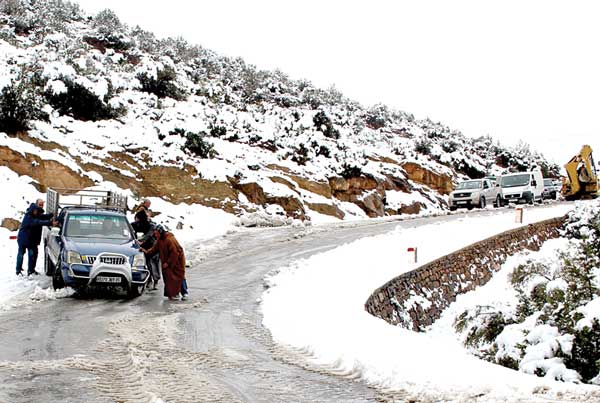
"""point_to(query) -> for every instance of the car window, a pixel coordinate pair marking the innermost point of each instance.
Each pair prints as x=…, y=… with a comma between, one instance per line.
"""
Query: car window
x=469, y=185
x=515, y=180
x=97, y=226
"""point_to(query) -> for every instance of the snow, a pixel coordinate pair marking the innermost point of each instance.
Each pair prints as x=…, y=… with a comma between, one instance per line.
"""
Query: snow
x=333, y=328
x=590, y=311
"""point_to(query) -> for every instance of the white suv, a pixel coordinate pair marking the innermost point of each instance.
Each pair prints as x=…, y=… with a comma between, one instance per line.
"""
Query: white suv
x=476, y=192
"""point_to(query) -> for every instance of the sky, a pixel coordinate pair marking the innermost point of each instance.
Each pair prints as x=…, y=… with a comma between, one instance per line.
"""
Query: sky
x=516, y=70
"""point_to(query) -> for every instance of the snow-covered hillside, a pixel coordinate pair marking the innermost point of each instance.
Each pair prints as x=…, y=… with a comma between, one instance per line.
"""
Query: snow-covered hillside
x=87, y=99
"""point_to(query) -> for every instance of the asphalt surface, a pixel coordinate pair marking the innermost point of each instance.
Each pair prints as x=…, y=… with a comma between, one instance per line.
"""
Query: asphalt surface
x=212, y=348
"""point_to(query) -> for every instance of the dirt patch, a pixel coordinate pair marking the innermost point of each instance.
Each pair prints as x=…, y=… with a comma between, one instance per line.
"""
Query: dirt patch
x=47, y=172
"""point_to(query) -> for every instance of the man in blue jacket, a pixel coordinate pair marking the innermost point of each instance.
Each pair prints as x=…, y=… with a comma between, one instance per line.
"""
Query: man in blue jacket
x=30, y=235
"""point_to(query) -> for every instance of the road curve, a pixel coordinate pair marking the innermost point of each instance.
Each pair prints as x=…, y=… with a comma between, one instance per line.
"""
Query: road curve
x=212, y=348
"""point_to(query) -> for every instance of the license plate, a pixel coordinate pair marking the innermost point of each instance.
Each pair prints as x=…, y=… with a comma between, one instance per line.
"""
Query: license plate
x=103, y=279
x=461, y=202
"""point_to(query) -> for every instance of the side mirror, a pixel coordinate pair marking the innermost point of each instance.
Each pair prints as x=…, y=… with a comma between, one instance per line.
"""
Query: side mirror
x=533, y=183
x=497, y=185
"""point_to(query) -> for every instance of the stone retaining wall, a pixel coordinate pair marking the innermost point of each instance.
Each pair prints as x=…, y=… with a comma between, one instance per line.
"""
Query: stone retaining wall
x=416, y=299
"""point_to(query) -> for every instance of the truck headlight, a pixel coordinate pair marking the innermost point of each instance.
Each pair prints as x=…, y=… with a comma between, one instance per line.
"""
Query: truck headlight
x=73, y=258
x=139, y=260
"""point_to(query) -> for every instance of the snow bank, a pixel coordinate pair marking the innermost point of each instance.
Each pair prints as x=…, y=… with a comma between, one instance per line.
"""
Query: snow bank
x=317, y=305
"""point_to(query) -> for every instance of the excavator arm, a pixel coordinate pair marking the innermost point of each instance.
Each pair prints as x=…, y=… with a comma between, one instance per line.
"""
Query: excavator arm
x=582, y=178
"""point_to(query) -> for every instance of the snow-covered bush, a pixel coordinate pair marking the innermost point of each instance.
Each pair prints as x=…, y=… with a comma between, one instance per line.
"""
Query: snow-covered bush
x=554, y=329
x=423, y=146
x=163, y=85
x=19, y=105
x=196, y=144
x=324, y=124
x=79, y=102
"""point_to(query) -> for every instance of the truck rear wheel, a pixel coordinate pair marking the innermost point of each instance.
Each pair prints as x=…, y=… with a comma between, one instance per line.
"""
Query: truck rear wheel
x=498, y=202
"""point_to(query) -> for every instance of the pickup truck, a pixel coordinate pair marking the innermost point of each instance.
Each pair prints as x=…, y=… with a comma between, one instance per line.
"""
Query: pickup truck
x=476, y=192
x=94, y=245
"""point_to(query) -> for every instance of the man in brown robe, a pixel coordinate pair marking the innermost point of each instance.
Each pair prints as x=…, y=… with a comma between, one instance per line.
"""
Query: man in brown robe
x=173, y=262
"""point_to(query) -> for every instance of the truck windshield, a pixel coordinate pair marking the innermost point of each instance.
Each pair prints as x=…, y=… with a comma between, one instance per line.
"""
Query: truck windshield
x=97, y=226
x=515, y=180
x=469, y=185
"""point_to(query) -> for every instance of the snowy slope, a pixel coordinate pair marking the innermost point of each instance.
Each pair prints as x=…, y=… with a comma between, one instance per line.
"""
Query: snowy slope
x=332, y=328
x=113, y=103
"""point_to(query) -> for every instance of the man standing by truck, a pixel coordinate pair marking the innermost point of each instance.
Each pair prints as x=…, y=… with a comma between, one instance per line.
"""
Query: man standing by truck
x=30, y=235
x=146, y=226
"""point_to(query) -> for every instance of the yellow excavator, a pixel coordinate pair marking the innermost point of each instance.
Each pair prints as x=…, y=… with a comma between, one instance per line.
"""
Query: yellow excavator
x=582, y=179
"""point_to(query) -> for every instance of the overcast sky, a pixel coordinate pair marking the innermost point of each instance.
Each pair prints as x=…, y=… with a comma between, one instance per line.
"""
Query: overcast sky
x=513, y=69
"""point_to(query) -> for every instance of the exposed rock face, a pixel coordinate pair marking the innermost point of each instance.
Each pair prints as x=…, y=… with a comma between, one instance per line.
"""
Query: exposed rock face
x=184, y=184
x=364, y=191
x=47, y=172
x=253, y=192
x=10, y=224
x=292, y=206
x=284, y=182
x=320, y=188
x=372, y=204
x=414, y=208
x=327, y=209
x=419, y=174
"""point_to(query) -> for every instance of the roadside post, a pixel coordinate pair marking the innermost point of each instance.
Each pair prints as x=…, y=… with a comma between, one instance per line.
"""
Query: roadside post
x=412, y=255
x=519, y=215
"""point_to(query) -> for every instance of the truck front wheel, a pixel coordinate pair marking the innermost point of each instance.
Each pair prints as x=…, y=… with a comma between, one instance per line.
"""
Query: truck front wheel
x=136, y=290
x=57, y=279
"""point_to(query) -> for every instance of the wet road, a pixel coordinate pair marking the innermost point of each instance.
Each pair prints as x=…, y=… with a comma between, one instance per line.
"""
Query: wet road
x=212, y=348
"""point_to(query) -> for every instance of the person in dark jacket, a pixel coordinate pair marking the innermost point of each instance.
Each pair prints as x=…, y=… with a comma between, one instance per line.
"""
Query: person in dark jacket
x=30, y=235
x=146, y=226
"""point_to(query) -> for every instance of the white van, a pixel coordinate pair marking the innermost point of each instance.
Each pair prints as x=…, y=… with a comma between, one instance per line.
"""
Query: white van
x=522, y=187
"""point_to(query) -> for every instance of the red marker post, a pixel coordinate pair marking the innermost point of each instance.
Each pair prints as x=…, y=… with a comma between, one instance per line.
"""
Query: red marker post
x=12, y=237
x=412, y=253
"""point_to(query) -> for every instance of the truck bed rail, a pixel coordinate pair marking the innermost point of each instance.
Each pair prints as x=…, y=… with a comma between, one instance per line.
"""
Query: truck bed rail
x=59, y=198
